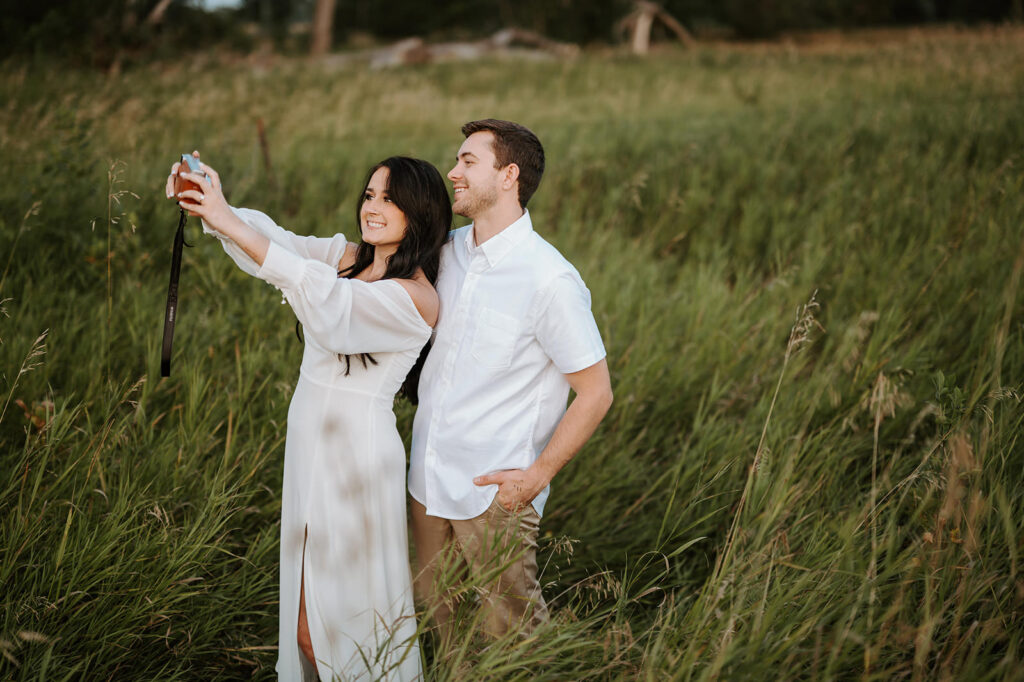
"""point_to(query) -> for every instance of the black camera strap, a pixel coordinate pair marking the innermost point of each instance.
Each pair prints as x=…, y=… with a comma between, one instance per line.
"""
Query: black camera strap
x=172, y=296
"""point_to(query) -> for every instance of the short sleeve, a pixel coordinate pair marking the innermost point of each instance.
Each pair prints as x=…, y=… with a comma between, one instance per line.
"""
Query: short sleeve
x=346, y=316
x=565, y=326
x=327, y=250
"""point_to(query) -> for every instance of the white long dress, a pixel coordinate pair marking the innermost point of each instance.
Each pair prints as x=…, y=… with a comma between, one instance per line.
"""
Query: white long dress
x=343, y=513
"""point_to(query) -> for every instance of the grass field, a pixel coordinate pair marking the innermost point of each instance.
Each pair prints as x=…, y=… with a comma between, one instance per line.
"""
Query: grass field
x=806, y=264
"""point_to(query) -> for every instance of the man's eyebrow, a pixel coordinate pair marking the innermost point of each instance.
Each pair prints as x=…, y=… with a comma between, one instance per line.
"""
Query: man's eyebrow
x=459, y=156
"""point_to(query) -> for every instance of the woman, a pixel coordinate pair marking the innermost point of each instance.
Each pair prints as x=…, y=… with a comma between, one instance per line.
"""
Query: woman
x=367, y=311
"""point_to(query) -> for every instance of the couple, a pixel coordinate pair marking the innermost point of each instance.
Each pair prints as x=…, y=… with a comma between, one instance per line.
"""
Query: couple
x=512, y=330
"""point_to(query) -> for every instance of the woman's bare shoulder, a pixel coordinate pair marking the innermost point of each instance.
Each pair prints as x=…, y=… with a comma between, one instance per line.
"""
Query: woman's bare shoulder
x=424, y=297
x=349, y=258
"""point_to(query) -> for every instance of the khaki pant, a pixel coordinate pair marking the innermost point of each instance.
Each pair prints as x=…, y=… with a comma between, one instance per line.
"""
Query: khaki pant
x=499, y=548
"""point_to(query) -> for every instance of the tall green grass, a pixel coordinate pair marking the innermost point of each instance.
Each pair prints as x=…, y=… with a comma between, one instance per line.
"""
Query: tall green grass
x=806, y=264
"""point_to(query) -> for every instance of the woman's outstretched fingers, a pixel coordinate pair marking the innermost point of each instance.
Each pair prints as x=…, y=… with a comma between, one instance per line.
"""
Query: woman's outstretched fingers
x=192, y=195
x=213, y=175
x=199, y=179
x=190, y=204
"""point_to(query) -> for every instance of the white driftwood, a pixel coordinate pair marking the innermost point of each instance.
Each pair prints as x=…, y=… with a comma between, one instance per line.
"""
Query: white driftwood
x=509, y=42
x=640, y=21
x=642, y=32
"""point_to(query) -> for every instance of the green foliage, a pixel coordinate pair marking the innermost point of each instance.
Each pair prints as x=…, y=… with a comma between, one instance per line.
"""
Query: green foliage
x=951, y=399
x=111, y=34
x=782, y=489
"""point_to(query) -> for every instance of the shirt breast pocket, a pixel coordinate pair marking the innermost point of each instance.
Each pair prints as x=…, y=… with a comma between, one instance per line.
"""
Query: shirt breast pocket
x=495, y=339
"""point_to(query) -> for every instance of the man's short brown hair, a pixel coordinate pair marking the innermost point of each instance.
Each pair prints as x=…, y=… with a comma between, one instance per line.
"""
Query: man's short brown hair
x=514, y=143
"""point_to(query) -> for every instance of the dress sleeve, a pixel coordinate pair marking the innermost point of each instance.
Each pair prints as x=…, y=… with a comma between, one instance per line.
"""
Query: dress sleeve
x=346, y=316
x=326, y=250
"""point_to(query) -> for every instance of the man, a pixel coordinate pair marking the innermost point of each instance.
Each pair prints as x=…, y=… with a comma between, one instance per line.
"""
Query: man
x=492, y=429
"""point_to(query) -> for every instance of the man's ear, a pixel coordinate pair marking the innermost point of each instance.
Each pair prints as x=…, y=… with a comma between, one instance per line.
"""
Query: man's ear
x=509, y=177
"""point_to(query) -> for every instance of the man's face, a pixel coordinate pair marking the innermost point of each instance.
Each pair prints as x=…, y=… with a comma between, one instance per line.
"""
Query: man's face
x=475, y=180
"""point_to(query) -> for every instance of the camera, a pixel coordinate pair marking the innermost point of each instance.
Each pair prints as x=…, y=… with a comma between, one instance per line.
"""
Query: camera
x=180, y=183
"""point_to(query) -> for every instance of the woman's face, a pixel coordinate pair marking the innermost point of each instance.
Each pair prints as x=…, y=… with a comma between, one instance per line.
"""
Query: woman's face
x=382, y=223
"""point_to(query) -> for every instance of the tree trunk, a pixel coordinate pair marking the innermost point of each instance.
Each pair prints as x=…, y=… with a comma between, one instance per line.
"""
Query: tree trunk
x=642, y=30
x=157, y=14
x=323, y=24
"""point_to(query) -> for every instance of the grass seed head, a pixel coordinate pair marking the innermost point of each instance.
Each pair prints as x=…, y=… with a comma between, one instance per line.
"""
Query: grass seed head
x=800, y=334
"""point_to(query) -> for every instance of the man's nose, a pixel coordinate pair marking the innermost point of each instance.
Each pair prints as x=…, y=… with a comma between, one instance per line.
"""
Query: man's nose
x=452, y=174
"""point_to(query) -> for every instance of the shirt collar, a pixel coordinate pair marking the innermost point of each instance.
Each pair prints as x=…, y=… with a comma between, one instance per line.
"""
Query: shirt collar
x=498, y=246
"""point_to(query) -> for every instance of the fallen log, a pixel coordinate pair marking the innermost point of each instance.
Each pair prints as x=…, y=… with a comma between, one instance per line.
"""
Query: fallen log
x=508, y=42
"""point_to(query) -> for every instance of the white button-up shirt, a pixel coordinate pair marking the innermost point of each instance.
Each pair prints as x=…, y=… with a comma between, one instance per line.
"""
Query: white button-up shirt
x=515, y=318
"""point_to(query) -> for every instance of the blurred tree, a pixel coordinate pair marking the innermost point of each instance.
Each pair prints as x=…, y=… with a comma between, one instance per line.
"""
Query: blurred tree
x=102, y=33
x=323, y=24
x=766, y=18
x=639, y=23
x=975, y=10
x=579, y=21
x=155, y=16
x=105, y=33
x=274, y=17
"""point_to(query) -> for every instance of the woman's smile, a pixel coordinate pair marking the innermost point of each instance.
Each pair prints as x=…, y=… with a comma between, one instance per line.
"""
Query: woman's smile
x=381, y=221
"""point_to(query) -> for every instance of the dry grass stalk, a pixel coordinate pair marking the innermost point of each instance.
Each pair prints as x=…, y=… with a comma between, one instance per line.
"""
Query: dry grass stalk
x=884, y=397
x=31, y=361
x=961, y=462
x=799, y=336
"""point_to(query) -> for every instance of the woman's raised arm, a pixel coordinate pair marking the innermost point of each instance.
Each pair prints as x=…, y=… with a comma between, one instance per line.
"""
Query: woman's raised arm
x=229, y=225
x=346, y=316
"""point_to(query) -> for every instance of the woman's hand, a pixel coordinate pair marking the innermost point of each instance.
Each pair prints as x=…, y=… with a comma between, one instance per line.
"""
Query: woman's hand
x=208, y=201
x=175, y=184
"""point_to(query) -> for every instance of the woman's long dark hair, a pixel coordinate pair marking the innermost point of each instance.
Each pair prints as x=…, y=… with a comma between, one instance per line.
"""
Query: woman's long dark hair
x=417, y=188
